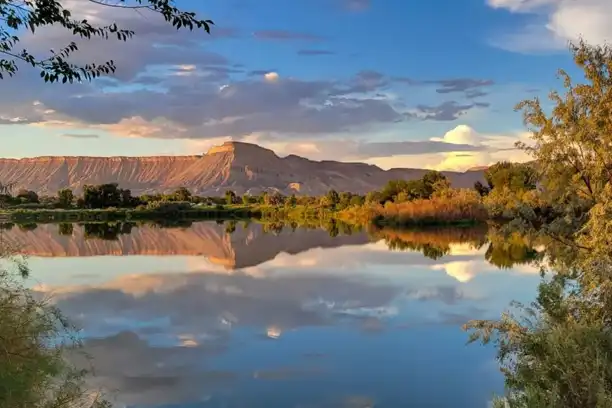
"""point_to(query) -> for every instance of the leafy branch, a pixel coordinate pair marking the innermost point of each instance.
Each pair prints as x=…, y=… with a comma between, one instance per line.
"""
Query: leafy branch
x=31, y=15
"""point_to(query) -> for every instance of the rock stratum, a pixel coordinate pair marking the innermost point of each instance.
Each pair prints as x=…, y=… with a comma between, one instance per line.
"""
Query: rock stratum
x=242, y=167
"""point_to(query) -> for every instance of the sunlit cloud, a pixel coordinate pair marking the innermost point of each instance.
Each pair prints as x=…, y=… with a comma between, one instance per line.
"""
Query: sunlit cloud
x=556, y=23
x=271, y=76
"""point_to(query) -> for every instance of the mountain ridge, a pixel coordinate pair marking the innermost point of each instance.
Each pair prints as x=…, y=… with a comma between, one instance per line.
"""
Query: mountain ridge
x=239, y=166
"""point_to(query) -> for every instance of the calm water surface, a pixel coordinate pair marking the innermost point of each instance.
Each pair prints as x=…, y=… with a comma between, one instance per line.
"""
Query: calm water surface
x=195, y=317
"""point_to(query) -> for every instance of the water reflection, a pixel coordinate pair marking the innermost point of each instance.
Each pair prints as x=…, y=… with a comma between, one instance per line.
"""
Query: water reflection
x=218, y=316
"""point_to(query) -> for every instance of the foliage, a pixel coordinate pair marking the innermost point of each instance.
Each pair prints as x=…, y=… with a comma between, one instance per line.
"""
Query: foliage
x=65, y=197
x=292, y=200
x=448, y=206
x=408, y=190
x=572, y=145
x=27, y=196
x=509, y=251
x=230, y=227
x=32, y=15
x=34, y=338
x=107, y=231
x=66, y=228
x=105, y=196
x=503, y=203
x=356, y=201
x=230, y=197
x=481, y=188
x=333, y=198
x=168, y=206
x=276, y=199
x=432, y=242
x=182, y=194
x=558, y=351
x=512, y=176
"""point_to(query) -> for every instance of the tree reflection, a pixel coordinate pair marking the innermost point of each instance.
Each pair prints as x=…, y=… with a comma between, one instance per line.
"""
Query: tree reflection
x=66, y=228
x=107, y=231
x=433, y=243
x=507, y=251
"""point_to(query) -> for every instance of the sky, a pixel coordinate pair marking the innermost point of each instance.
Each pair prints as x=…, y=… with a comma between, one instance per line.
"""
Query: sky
x=396, y=83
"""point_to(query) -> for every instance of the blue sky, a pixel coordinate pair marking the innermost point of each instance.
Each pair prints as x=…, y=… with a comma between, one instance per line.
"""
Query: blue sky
x=394, y=82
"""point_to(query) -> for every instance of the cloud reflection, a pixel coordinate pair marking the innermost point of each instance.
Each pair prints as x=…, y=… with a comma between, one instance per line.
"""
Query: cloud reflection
x=160, y=336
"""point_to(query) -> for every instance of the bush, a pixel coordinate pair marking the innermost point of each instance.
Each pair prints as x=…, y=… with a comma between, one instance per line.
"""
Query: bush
x=502, y=203
x=34, y=339
x=445, y=207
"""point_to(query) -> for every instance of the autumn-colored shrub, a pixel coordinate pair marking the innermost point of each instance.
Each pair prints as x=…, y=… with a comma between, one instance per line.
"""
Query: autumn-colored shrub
x=448, y=206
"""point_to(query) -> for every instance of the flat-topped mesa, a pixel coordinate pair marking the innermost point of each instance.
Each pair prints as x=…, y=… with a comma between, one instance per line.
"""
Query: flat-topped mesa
x=241, y=148
x=239, y=166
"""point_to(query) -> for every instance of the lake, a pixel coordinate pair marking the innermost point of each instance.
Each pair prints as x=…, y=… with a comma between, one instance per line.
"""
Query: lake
x=200, y=317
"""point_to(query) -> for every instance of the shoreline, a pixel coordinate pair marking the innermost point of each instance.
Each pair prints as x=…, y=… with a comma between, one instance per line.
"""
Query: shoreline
x=297, y=214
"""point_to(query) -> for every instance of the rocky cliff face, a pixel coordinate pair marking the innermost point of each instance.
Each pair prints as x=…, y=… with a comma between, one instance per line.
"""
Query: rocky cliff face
x=242, y=167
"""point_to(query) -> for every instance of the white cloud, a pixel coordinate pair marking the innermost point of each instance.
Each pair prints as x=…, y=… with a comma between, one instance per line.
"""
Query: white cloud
x=561, y=21
x=488, y=149
x=462, y=134
x=463, y=271
x=520, y=5
x=459, y=149
x=271, y=76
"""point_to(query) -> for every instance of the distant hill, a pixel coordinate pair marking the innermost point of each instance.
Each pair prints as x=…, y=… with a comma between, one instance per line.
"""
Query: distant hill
x=242, y=167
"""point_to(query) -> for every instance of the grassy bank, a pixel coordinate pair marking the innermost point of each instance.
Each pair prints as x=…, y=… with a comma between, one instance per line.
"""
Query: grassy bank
x=121, y=214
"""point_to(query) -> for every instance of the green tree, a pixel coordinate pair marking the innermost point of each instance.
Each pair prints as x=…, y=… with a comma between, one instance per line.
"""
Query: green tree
x=101, y=196
x=6, y=191
x=557, y=352
x=246, y=199
x=333, y=197
x=416, y=189
x=27, y=196
x=230, y=197
x=513, y=176
x=344, y=199
x=277, y=199
x=65, y=197
x=392, y=189
x=292, y=200
x=127, y=200
x=431, y=180
x=373, y=197
x=182, y=194
x=481, y=189
x=324, y=201
x=17, y=16
x=356, y=201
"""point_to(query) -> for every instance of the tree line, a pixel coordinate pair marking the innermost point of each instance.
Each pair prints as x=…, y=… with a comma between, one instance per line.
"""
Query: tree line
x=501, y=179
